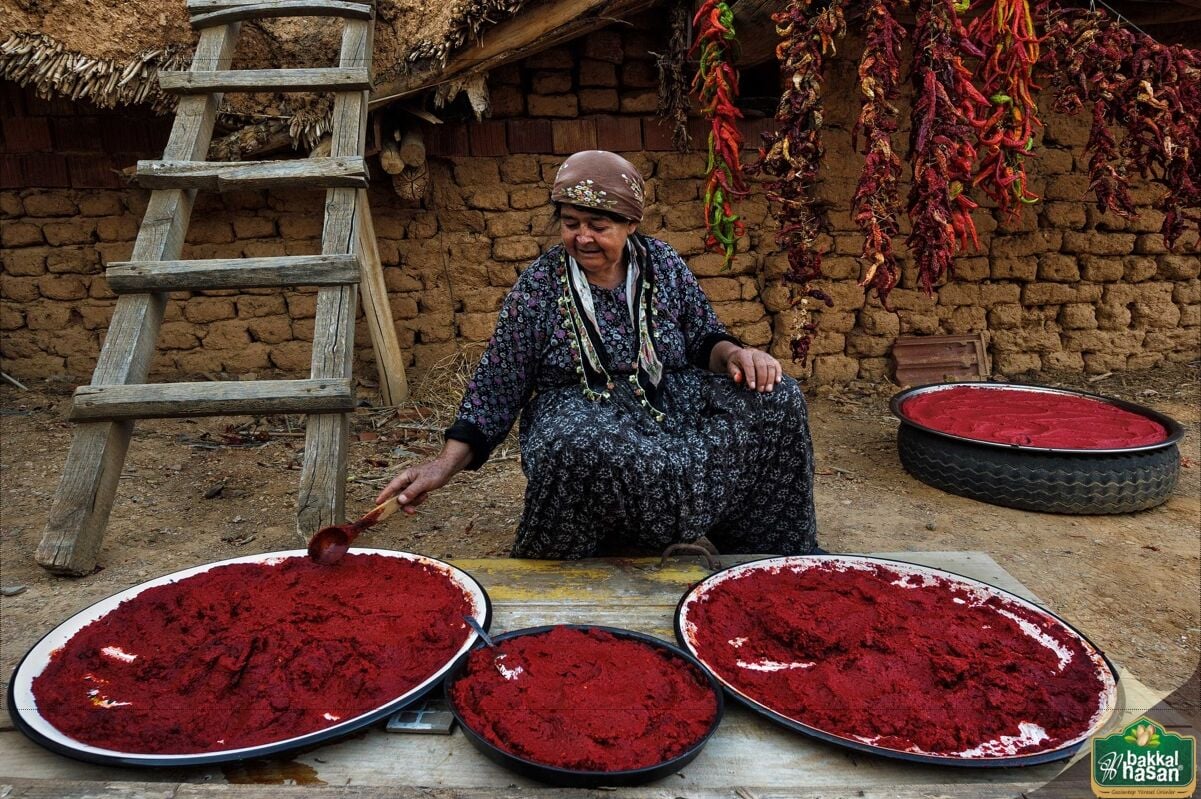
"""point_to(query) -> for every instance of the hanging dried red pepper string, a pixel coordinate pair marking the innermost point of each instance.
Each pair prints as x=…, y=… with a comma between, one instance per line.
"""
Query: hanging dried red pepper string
x=1006, y=36
x=877, y=204
x=792, y=153
x=946, y=111
x=1152, y=90
x=716, y=83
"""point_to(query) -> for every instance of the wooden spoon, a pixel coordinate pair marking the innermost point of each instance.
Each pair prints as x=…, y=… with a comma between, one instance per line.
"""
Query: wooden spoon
x=329, y=544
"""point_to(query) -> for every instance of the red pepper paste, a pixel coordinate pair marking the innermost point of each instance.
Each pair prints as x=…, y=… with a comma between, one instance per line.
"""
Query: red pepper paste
x=1032, y=418
x=903, y=662
x=252, y=653
x=586, y=700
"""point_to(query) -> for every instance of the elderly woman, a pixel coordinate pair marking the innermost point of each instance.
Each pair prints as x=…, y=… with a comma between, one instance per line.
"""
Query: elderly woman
x=643, y=422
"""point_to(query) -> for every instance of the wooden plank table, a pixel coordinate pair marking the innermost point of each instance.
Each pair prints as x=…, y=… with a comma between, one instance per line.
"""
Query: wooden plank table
x=748, y=757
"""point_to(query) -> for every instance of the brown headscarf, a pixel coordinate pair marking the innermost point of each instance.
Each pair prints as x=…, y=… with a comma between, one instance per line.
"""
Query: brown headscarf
x=602, y=180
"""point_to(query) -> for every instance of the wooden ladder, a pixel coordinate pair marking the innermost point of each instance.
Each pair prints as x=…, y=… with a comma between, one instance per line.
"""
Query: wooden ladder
x=119, y=394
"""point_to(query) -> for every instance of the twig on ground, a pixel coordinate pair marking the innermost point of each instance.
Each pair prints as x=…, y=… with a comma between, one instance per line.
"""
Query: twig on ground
x=14, y=381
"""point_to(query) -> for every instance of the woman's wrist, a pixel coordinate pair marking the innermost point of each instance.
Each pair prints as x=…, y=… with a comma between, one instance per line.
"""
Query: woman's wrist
x=719, y=358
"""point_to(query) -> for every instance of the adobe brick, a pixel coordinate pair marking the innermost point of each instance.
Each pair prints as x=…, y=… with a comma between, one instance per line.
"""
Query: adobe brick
x=971, y=269
x=639, y=74
x=520, y=169
x=833, y=369
x=553, y=105
x=553, y=58
x=959, y=294
x=594, y=73
x=512, y=223
x=63, y=287
x=639, y=102
x=555, y=81
x=291, y=226
x=721, y=289
x=1016, y=363
x=250, y=306
x=1098, y=243
x=1066, y=215
x=1063, y=361
x=1137, y=268
x=1101, y=269
x=757, y=334
x=598, y=101
x=494, y=198
x=515, y=248
x=604, y=46
x=918, y=324
x=1026, y=244
x=1078, y=316
x=473, y=172
x=20, y=234
x=96, y=316
x=254, y=227
x=25, y=262
x=11, y=316
x=203, y=310
x=270, y=329
x=878, y=322
x=71, y=341
x=246, y=359
x=47, y=316
x=1058, y=267
x=403, y=307
x=49, y=203
x=1003, y=317
x=1178, y=267
x=272, y=248
x=117, y=228
x=1187, y=293
x=10, y=205
x=1150, y=244
x=506, y=101
x=1190, y=315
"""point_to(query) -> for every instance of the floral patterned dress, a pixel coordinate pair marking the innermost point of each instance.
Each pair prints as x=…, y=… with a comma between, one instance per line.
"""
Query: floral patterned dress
x=724, y=462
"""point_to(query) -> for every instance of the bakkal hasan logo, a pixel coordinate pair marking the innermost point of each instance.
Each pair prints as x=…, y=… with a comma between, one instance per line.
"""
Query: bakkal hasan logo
x=1144, y=760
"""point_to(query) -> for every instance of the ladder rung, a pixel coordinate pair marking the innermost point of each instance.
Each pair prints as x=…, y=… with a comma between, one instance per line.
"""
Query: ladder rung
x=266, y=80
x=196, y=7
x=313, y=173
x=281, y=8
x=132, y=277
x=240, y=398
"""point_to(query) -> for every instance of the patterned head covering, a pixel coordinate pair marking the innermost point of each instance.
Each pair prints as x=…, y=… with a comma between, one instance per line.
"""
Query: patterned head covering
x=602, y=180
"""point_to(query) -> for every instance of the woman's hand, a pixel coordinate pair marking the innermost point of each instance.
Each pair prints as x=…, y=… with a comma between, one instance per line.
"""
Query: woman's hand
x=415, y=483
x=755, y=368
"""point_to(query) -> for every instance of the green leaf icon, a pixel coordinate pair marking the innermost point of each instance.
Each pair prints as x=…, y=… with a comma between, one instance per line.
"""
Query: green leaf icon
x=1129, y=739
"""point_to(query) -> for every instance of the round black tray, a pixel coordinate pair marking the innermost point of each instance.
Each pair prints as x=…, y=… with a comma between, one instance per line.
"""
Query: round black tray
x=1066, y=750
x=22, y=705
x=1174, y=429
x=574, y=778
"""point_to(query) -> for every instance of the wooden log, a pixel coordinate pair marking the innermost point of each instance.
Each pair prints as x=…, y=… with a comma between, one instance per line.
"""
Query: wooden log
x=412, y=183
x=389, y=158
x=283, y=8
x=84, y=497
x=265, y=80
x=412, y=148
x=317, y=173
x=125, y=277
x=247, y=397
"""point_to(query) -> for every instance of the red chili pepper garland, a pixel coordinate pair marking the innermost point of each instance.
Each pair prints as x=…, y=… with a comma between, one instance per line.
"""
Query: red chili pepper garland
x=1006, y=36
x=946, y=111
x=716, y=83
x=877, y=204
x=1152, y=90
x=791, y=154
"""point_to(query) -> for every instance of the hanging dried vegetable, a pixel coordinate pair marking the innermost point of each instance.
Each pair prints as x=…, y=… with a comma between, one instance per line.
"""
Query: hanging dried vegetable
x=716, y=83
x=792, y=153
x=1150, y=89
x=673, y=85
x=1006, y=36
x=946, y=110
x=877, y=204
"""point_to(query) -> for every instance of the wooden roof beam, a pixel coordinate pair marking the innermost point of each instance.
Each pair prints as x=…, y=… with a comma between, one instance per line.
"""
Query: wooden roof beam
x=519, y=37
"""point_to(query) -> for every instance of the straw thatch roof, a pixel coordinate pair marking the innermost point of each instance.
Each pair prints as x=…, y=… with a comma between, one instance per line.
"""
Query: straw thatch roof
x=109, y=51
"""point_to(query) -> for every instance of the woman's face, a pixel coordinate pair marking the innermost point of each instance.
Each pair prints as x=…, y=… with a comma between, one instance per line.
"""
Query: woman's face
x=596, y=241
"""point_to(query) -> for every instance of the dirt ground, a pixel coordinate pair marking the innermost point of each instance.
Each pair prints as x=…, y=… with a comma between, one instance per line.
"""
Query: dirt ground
x=196, y=491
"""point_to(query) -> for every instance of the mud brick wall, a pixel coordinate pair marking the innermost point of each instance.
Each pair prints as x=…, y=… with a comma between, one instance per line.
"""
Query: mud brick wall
x=1066, y=288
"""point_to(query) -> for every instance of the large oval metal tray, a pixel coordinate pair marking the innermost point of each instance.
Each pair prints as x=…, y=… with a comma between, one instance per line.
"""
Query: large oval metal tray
x=1174, y=429
x=685, y=632
x=23, y=707
x=578, y=778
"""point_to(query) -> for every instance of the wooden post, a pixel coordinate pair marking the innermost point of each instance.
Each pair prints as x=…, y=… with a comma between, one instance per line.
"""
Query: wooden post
x=393, y=385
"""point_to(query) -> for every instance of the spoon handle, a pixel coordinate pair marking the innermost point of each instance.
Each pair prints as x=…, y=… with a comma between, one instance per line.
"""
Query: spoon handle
x=475, y=625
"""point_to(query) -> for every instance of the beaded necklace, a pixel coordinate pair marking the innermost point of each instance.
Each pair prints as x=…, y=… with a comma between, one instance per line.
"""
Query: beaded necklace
x=588, y=350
